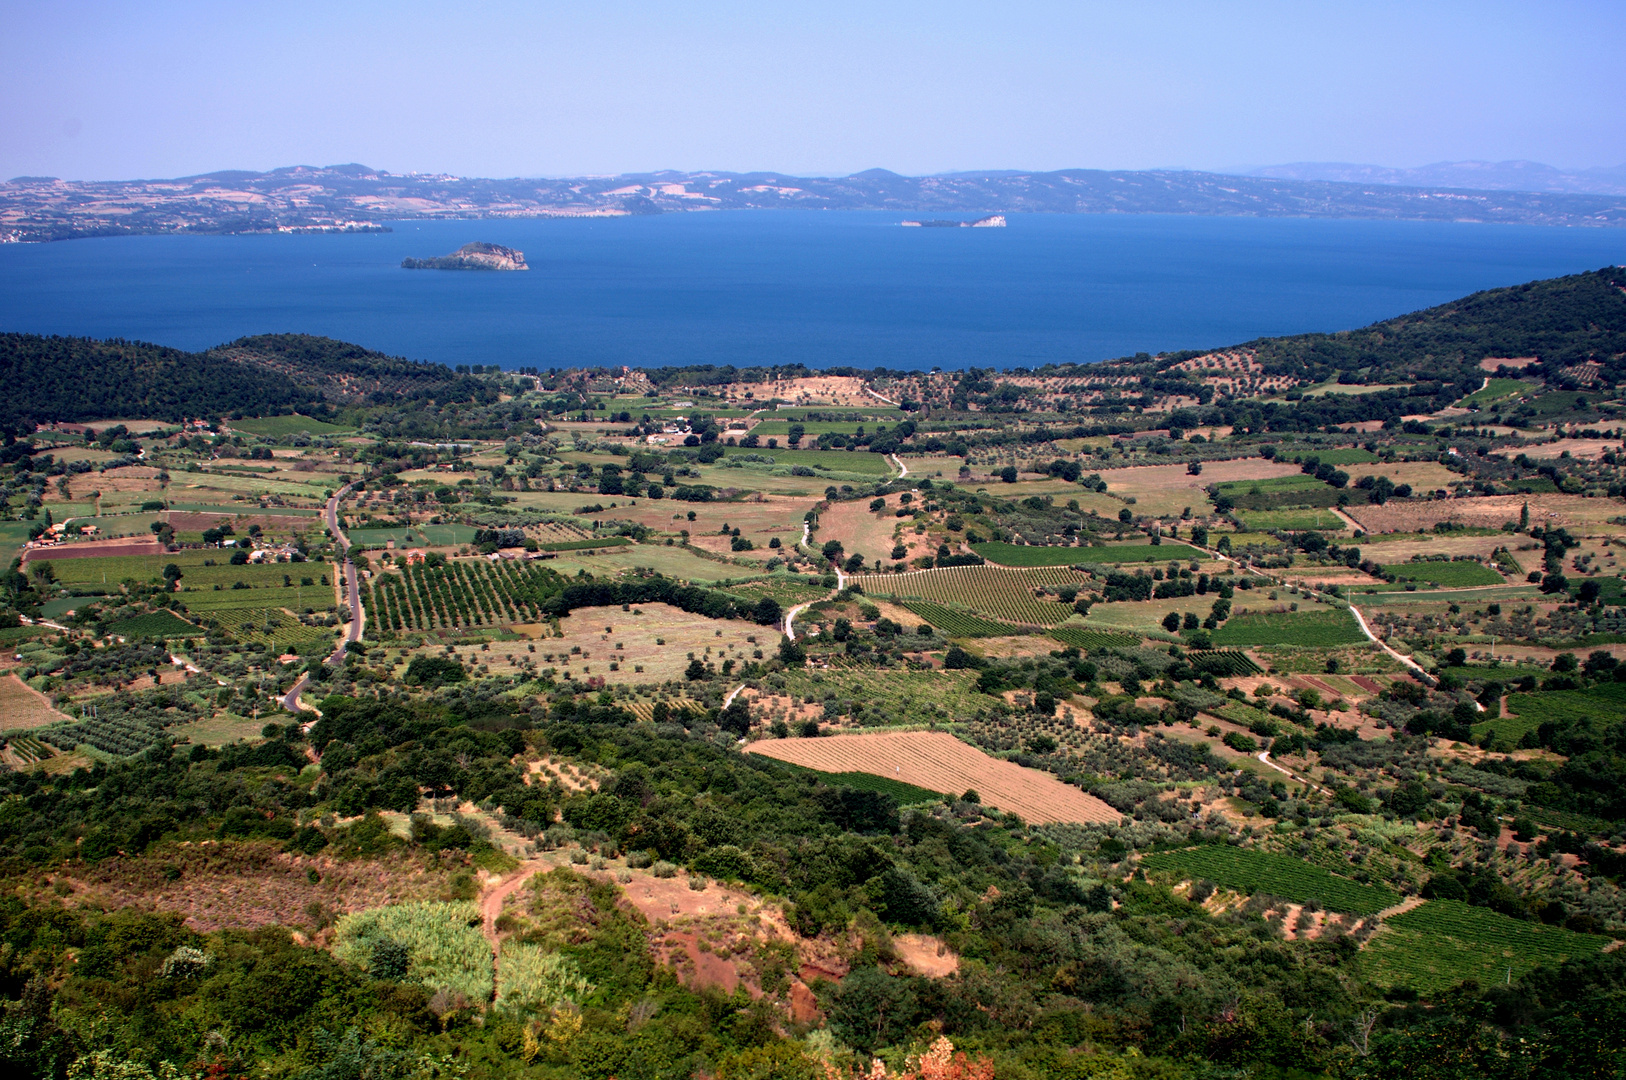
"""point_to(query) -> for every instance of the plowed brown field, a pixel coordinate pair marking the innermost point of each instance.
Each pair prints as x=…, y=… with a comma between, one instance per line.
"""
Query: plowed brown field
x=937, y=761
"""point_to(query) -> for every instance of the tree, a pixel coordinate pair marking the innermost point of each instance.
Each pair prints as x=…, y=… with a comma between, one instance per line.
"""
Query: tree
x=695, y=670
x=792, y=653
x=1171, y=622
x=831, y=550
x=1195, y=468
x=1008, y=474
x=1125, y=516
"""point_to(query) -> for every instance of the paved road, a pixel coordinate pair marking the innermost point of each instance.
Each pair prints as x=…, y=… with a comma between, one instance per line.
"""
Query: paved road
x=358, y=617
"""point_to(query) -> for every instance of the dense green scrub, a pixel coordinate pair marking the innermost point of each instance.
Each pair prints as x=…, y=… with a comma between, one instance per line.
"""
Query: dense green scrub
x=1052, y=959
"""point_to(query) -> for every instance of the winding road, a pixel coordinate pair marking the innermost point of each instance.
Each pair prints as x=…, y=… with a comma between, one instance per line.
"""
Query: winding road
x=358, y=617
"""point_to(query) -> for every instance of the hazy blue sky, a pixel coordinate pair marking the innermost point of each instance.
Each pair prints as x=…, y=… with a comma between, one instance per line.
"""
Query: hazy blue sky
x=100, y=90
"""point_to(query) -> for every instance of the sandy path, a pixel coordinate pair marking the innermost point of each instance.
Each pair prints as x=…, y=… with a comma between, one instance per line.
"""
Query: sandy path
x=492, y=902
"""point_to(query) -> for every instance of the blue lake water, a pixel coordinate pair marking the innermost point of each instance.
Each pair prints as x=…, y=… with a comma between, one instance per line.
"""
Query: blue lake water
x=819, y=288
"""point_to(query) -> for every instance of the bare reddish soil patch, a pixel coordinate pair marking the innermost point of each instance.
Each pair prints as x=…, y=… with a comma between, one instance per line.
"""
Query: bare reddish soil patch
x=217, y=885
x=90, y=549
x=937, y=761
x=925, y=955
x=1518, y=363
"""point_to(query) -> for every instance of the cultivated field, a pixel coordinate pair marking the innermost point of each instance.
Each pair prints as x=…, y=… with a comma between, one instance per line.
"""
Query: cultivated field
x=22, y=707
x=1487, y=511
x=937, y=761
x=1165, y=490
x=1002, y=592
x=649, y=644
x=1442, y=942
x=1112, y=554
x=1322, y=627
x=1250, y=871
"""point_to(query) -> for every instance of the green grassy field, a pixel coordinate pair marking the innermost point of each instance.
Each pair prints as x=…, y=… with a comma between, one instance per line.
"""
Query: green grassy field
x=278, y=426
x=1497, y=388
x=1449, y=575
x=427, y=535
x=112, y=569
x=1310, y=628
x=1249, y=871
x=838, y=461
x=1291, y=520
x=1338, y=455
x=1273, y=485
x=998, y=551
x=1443, y=942
x=582, y=545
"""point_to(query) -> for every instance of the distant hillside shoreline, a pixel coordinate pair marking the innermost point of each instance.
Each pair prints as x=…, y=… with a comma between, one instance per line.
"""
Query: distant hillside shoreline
x=355, y=198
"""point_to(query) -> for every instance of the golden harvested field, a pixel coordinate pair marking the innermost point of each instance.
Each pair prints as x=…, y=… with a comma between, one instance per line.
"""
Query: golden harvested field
x=859, y=530
x=1423, y=476
x=1579, y=448
x=657, y=638
x=1161, y=490
x=1485, y=511
x=21, y=706
x=937, y=761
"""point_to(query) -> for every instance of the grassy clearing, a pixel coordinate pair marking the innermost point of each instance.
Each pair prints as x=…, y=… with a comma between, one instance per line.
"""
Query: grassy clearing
x=277, y=426
x=1496, y=389
x=1340, y=455
x=1291, y=520
x=1450, y=575
x=1443, y=942
x=834, y=461
x=1272, y=485
x=1308, y=628
x=1250, y=871
x=872, y=697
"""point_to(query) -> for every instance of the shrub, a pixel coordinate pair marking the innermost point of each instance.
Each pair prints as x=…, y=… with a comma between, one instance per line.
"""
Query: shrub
x=448, y=951
x=530, y=979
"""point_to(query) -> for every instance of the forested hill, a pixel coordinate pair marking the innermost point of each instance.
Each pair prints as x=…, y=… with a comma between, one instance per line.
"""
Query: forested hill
x=345, y=373
x=1563, y=321
x=79, y=379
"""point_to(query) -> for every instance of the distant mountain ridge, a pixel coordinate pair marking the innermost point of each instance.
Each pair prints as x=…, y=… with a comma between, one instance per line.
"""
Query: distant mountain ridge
x=1529, y=176
x=354, y=197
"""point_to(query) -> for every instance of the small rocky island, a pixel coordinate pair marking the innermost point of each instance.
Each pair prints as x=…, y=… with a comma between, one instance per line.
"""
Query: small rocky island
x=475, y=256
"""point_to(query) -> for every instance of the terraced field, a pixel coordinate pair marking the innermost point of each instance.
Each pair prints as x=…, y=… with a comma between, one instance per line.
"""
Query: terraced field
x=937, y=761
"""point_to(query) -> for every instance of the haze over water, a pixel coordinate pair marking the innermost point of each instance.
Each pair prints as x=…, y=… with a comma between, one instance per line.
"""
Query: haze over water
x=760, y=287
